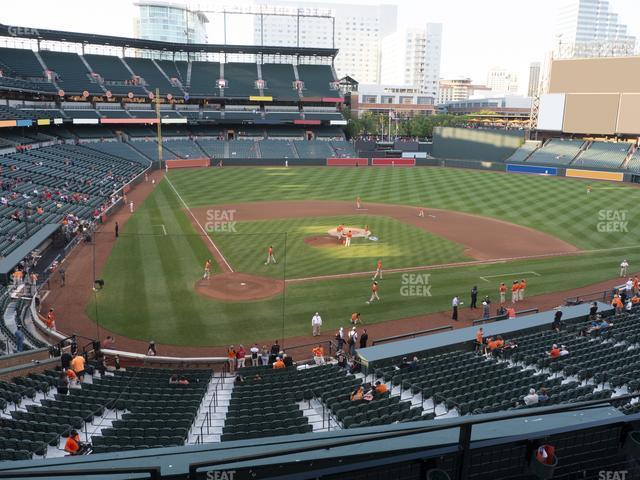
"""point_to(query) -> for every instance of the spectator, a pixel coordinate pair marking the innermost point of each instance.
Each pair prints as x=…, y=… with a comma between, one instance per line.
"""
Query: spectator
x=173, y=380
x=357, y=395
x=72, y=378
x=511, y=312
x=353, y=337
x=73, y=445
x=275, y=350
x=254, y=355
x=287, y=359
x=19, y=339
x=231, y=357
x=340, y=339
x=364, y=338
x=557, y=321
x=617, y=304
x=455, y=303
x=404, y=364
x=183, y=381
x=532, y=398
x=342, y=360
x=63, y=383
x=381, y=388
x=264, y=355
x=316, y=323
x=318, y=355
x=109, y=342
x=543, y=395
x=278, y=363
x=414, y=364
x=593, y=311
x=563, y=351
x=555, y=351
x=239, y=380
x=151, y=350
x=240, y=354
x=486, y=313
x=479, y=340
x=78, y=366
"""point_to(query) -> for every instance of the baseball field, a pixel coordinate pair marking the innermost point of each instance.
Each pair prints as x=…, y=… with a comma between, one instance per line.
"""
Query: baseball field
x=478, y=229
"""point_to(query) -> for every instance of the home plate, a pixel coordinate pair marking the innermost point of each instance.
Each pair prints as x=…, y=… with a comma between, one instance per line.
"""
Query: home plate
x=243, y=284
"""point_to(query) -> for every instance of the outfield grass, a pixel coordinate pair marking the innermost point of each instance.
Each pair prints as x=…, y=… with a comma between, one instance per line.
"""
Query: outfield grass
x=558, y=206
x=150, y=276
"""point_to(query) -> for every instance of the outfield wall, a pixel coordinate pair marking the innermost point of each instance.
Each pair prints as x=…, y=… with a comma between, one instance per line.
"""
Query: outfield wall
x=475, y=144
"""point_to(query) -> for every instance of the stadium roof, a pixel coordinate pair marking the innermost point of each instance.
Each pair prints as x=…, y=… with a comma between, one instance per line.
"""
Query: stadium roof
x=124, y=42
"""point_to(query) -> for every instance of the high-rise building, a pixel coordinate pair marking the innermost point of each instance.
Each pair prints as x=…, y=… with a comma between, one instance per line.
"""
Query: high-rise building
x=169, y=22
x=412, y=57
x=534, y=79
x=458, y=89
x=587, y=28
x=502, y=80
x=356, y=30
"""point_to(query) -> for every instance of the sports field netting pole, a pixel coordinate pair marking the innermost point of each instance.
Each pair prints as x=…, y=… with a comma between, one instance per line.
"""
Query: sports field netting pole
x=159, y=126
x=284, y=283
x=95, y=291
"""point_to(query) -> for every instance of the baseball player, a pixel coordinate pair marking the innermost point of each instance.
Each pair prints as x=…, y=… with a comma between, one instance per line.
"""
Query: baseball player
x=270, y=256
x=421, y=213
x=503, y=292
x=378, y=270
x=623, y=268
x=355, y=318
x=340, y=231
x=207, y=269
x=347, y=243
x=521, y=288
x=514, y=291
x=358, y=202
x=374, y=292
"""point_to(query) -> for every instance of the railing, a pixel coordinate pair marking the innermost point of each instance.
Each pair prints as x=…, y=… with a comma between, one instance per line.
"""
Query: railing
x=206, y=421
x=603, y=296
x=412, y=334
x=496, y=318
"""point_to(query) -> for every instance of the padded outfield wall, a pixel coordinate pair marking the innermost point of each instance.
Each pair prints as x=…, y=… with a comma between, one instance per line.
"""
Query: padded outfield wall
x=473, y=144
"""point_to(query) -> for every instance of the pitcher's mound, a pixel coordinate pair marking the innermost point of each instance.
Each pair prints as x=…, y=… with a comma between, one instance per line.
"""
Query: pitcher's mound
x=238, y=287
x=322, y=242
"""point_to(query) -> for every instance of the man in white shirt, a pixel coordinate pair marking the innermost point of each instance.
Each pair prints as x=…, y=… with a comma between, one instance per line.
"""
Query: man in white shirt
x=623, y=268
x=629, y=287
x=455, y=303
x=316, y=323
x=532, y=398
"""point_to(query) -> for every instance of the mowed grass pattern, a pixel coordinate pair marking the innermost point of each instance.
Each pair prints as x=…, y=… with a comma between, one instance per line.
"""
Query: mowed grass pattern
x=558, y=206
x=149, y=278
x=400, y=245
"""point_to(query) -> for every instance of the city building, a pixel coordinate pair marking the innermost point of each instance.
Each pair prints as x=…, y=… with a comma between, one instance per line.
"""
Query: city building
x=502, y=80
x=534, y=79
x=401, y=100
x=169, y=22
x=587, y=28
x=456, y=89
x=513, y=106
x=356, y=30
x=412, y=57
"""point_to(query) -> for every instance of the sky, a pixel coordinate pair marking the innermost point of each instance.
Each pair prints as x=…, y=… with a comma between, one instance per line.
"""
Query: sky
x=477, y=35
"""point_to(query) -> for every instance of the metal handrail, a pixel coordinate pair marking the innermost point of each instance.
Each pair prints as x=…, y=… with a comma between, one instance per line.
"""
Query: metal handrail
x=213, y=402
x=412, y=334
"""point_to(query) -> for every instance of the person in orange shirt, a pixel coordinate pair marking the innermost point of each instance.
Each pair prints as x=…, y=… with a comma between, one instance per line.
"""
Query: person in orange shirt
x=72, y=445
x=374, y=292
x=278, y=363
x=270, y=256
x=635, y=300
x=355, y=318
x=514, y=291
x=318, y=355
x=521, y=288
x=381, y=388
x=231, y=356
x=503, y=292
x=555, y=351
x=378, y=270
x=207, y=269
x=78, y=366
x=635, y=284
x=51, y=319
x=340, y=231
x=511, y=312
x=617, y=304
x=348, y=242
